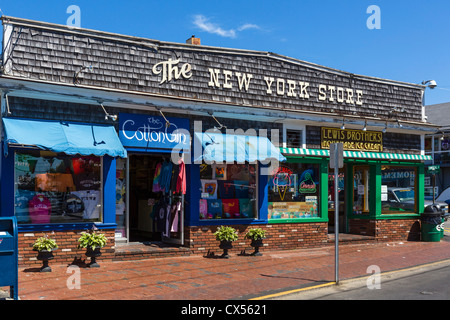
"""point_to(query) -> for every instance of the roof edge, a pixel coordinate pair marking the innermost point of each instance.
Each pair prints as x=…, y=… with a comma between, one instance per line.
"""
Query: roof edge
x=146, y=41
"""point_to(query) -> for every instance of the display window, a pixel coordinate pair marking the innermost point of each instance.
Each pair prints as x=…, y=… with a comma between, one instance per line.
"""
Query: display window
x=228, y=191
x=56, y=188
x=361, y=190
x=398, y=189
x=294, y=192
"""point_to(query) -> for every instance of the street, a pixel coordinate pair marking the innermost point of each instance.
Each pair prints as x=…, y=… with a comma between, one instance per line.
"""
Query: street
x=429, y=282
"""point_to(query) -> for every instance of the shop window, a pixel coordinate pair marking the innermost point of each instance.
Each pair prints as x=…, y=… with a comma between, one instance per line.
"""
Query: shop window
x=398, y=189
x=361, y=189
x=293, y=138
x=56, y=188
x=294, y=192
x=228, y=191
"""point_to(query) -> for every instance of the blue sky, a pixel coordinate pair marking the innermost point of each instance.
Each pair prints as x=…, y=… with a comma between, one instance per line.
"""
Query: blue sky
x=412, y=44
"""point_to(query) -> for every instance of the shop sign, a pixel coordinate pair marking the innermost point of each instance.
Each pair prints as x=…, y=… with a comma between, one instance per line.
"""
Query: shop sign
x=356, y=140
x=233, y=80
x=153, y=132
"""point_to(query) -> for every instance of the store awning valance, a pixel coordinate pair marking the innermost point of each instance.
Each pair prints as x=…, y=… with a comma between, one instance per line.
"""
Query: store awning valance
x=66, y=137
x=218, y=147
x=357, y=154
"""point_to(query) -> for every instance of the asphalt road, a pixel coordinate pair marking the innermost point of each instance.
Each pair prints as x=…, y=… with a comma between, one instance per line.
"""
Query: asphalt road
x=430, y=282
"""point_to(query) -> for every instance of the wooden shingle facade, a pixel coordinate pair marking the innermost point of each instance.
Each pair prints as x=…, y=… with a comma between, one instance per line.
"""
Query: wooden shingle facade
x=56, y=73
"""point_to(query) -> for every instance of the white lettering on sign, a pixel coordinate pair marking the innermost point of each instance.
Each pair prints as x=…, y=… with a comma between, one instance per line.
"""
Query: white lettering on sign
x=154, y=132
x=349, y=96
x=227, y=79
x=170, y=70
x=243, y=79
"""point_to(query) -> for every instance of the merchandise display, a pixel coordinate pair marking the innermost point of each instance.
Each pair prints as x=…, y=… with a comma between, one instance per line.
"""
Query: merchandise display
x=229, y=191
x=55, y=188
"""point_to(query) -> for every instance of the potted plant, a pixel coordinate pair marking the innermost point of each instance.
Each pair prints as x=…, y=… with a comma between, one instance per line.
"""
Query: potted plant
x=226, y=235
x=93, y=242
x=256, y=235
x=45, y=247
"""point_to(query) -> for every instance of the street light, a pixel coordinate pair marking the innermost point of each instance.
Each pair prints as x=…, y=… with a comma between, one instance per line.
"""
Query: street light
x=430, y=84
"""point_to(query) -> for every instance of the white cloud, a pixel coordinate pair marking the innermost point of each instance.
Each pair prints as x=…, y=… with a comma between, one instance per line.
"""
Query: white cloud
x=203, y=23
x=248, y=26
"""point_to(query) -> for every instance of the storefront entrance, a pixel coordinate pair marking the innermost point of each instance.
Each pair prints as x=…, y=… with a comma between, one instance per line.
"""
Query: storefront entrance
x=331, y=202
x=155, y=211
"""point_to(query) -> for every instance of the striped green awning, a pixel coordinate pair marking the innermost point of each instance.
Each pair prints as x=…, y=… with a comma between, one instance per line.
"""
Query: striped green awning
x=356, y=154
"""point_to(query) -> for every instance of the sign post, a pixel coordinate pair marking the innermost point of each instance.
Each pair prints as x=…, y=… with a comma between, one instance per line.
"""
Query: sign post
x=435, y=169
x=336, y=162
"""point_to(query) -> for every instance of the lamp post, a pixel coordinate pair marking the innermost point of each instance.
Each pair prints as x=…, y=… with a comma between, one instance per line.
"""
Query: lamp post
x=430, y=84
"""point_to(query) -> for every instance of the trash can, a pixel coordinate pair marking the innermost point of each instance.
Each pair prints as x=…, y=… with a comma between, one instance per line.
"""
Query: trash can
x=431, y=224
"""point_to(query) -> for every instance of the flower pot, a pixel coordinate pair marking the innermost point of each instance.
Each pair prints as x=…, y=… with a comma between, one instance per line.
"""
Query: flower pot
x=45, y=256
x=225, y=245
x=256, y=243
x=93, y=254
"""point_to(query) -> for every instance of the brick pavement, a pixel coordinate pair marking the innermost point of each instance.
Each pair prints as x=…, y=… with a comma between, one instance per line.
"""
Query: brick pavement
x=209, y=278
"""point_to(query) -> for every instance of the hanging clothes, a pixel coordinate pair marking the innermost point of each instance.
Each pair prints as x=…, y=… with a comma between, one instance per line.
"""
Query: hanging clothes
x=176, y=211
x=181, y=179
x=156, y=179
x=161, y=211
x=166, y=176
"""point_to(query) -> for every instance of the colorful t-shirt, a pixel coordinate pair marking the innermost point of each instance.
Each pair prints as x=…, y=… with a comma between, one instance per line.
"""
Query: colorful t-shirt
x=40, y=209
x=215, y=208
x=226, y=189
x=241, y=189
x=246, y=208
x=231, y=208
x=209, y=187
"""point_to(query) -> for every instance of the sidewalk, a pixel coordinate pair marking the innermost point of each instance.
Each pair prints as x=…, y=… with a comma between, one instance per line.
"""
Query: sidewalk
x=237, y=278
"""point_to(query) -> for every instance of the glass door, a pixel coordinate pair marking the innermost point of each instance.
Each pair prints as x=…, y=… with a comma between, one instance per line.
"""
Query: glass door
x=331, y=201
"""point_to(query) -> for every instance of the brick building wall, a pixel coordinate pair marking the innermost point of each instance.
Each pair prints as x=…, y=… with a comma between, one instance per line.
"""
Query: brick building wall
x=278, y=237
x=67, y=252
x=387, y=229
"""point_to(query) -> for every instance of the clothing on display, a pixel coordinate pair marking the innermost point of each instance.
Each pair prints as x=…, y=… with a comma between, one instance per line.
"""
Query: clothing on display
x=241, y=189
x=157, y=178
x=209, y=187
x=215, y=208
x=166, y=176
x=230, y=208
x=60, y=182
x=226, y=189
x=74, y=206
x=39, y=209
x=181, y=178
x=91, y=201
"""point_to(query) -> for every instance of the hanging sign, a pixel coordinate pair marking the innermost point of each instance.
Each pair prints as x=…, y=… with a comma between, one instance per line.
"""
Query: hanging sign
x=153, y=132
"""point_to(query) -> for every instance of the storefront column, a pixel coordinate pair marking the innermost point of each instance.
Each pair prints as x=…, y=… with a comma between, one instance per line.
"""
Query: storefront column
x=263, y=193
x=375, y=190
x=7, y=183
x=420, y=187
x=193, y=195
x=109, y=191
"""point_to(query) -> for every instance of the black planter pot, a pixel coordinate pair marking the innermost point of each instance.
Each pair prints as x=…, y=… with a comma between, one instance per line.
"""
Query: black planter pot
x=93, y=254
x=225, y=245
x=45, y=256
x=256, y=243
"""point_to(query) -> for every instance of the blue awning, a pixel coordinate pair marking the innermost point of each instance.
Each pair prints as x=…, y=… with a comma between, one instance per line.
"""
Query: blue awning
x=218, y=147
x=66, y=137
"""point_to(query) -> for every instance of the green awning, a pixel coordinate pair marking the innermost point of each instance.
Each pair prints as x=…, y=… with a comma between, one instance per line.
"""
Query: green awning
x=356, y=154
